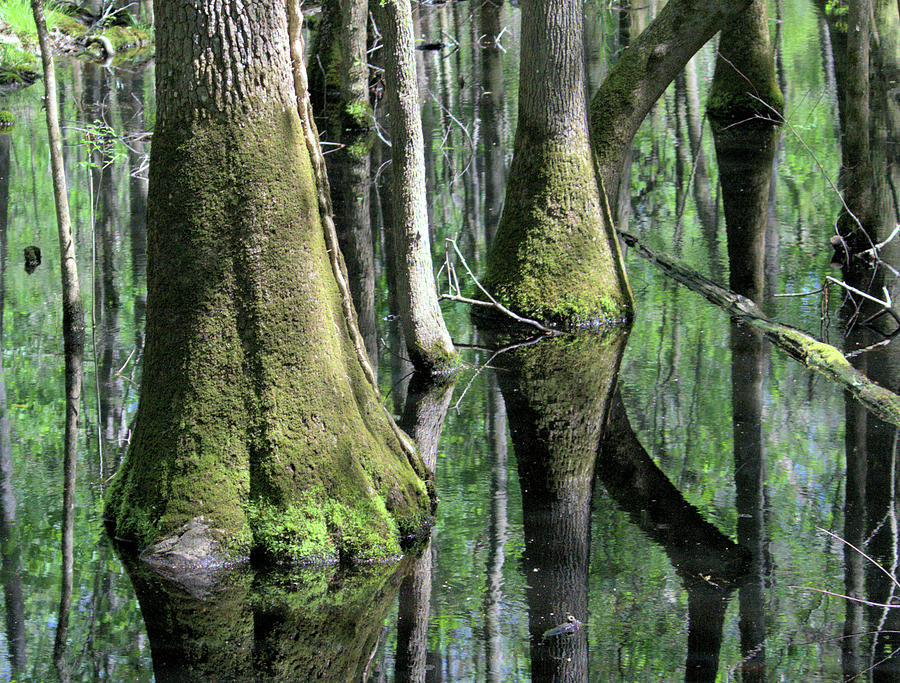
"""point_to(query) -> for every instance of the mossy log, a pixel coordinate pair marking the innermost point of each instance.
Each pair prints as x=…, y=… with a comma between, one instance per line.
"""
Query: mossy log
x=823, y=358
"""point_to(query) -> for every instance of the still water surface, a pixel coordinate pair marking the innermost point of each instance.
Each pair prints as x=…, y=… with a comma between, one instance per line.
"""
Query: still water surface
x=647, y=558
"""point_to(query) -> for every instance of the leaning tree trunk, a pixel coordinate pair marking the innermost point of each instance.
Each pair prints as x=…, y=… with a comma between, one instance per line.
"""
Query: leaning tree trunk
x=427, y=340
x=555, y=256
x=257, y=431
x=643, y=72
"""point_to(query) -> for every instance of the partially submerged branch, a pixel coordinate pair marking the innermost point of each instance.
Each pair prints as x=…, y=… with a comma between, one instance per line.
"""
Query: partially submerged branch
x=823, y=358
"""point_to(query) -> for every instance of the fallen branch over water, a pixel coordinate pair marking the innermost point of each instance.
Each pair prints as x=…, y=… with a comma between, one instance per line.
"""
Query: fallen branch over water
x=823, y=358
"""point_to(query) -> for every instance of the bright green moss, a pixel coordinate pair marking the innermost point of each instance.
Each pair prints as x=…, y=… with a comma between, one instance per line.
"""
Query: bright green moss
x=552, y=259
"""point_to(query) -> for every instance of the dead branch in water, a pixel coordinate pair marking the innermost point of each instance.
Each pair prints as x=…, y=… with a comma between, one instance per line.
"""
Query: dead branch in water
x=815, y=355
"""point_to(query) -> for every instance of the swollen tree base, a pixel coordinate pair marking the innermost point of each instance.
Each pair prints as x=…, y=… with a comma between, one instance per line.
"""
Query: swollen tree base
x=553, y=259
x=258, y=435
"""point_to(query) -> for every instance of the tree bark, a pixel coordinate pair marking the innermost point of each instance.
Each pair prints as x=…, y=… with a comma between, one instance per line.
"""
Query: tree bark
x=555, y=256
x=427, y=339
x=745, y=88
x=257, y=430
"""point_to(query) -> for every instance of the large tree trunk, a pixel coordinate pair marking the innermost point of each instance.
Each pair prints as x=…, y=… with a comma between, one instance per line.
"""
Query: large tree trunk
x=256, y=430
x=427, y=340
x=555, y=256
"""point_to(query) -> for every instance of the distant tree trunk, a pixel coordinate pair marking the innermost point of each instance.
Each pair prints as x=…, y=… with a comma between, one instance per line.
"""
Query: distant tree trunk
x=645, y=69
x=427, y=339
x=350, y=123
x=856, y=162
x=555, y=257
x=257, y=431
x=325, y=63
x=491, y=106
x=705, y=198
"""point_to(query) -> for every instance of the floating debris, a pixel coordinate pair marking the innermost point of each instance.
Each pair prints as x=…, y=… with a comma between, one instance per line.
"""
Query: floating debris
x=568, y=628
x=32, y=258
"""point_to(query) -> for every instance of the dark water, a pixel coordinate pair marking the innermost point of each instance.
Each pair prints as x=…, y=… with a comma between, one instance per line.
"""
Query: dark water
x=721, y=465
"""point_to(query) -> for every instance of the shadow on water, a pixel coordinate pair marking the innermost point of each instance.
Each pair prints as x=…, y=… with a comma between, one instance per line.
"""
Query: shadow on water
x=711, y=566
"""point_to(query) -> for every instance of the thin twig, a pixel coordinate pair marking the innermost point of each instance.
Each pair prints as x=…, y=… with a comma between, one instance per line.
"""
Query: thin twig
x=498, y=306
x=782, y=119
x=885, y=571
x=487, y=364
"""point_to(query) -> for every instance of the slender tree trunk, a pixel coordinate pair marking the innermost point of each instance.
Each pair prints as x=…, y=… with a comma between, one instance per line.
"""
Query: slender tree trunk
x=73, y=336
x=857, y=164
x=257, y=429
x=350, y=124
x=555, y=256
x=491, y=106
x=427, y=340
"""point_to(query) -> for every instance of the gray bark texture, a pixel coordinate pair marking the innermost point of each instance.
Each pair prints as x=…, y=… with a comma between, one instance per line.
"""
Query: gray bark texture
x=427, y=339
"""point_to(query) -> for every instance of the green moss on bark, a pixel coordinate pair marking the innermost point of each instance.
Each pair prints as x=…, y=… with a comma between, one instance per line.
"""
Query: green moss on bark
x=253, y=407
x=745, y=88
x=552, y=258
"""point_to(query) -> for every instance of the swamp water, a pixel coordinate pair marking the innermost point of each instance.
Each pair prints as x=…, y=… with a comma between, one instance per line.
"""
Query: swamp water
x=721, y=471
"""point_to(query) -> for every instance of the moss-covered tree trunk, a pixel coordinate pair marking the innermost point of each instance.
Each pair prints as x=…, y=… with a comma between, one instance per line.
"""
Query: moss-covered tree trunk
x=256, y=430
x=427, y=339
x=554, y=257
x=745, y=88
